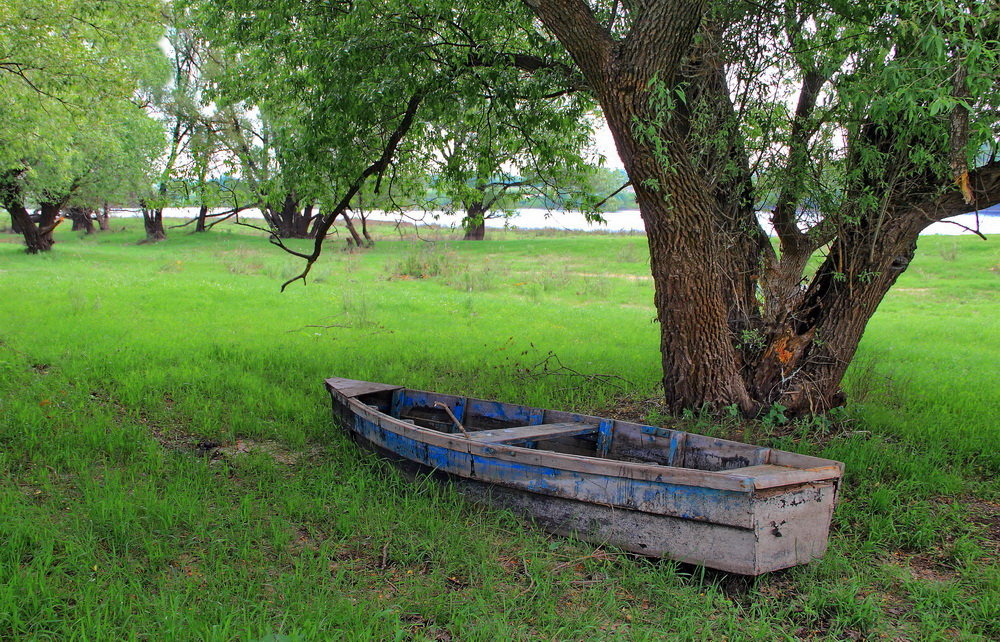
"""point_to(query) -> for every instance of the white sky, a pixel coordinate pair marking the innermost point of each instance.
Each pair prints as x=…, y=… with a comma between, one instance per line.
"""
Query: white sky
x=605, y=144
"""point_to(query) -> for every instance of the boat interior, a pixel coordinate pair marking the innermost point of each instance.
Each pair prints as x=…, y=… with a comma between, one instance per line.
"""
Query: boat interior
x=493, y=422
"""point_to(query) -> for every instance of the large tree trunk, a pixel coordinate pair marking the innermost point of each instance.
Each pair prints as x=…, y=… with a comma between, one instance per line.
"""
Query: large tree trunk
x=152, y=220
x=37, y=236
x=35, y=239
x=102, y=217
x=199, y=225
x=474, y=222
x=287, y=220
x=687, y=258
x=81, y=218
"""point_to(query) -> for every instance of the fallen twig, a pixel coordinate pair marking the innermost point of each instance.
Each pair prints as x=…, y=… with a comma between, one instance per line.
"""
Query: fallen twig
x=551, y=365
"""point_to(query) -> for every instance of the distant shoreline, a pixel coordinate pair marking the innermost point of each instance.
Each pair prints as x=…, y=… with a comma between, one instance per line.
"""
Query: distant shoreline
x=625, y=221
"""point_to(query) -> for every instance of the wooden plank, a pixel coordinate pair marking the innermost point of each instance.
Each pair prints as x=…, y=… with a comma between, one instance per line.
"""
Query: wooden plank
x=501, y=413
x=795, y=460
x=709, y=453
x=355, y=388
x=533, y=433
x=771, y=476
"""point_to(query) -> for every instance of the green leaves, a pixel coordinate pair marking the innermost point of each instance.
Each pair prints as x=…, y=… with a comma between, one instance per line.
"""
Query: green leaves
x=69, y=71
x=330, y=81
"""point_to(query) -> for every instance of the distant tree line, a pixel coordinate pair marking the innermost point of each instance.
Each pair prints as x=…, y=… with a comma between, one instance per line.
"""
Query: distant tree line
x=857, y=124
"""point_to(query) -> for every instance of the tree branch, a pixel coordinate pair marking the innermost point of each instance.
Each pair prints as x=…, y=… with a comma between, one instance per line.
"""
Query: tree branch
x=661, y=35
x=377, y=167
x=575, y=26
x=785, y=210
x=984, y=183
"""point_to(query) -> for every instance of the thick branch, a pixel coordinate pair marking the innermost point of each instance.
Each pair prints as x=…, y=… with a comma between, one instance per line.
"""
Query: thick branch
x=984, y=182
x=784, y=215
x=379, y=166
x=661, y=35
x=576, y=27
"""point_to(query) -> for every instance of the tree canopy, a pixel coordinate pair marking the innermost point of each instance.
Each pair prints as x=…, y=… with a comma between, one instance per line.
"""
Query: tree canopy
x=71, y=125
x=862, y=123
x=858, y=124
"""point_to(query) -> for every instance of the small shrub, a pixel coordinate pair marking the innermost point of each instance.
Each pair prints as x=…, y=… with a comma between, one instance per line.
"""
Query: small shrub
x=426, y=261
x=356, y=308
x=478, y=279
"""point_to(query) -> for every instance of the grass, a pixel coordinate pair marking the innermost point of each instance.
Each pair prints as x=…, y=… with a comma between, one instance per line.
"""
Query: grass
x=170, y=469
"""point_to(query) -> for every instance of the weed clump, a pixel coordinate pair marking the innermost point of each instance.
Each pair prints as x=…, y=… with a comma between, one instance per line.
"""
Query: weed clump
x=424, y=261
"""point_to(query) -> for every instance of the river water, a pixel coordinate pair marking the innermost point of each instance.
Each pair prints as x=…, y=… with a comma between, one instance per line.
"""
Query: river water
x=987, y=222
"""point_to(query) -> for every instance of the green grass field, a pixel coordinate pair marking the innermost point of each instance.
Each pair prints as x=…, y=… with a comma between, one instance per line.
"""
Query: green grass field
x=171, y=470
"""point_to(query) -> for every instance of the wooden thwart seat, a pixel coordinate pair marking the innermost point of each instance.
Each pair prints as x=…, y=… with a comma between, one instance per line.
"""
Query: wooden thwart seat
x=533, y=433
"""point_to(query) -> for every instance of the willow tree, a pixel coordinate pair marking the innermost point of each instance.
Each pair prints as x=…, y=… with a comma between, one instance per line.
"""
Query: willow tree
x=863, y=121
x=864, y=118
x=68, y=72
x=371, y=92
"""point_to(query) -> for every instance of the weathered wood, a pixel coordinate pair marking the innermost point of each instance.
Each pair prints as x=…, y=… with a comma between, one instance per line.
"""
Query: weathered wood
x=708, y=453
x=537, y=432
x=741, y=508
x=773, y=543
x=770, y=476
x=354, y=388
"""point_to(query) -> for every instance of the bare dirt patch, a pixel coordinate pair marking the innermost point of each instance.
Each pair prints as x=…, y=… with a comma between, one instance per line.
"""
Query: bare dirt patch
x=272, y=449
x=923, y=567
x=987, y=514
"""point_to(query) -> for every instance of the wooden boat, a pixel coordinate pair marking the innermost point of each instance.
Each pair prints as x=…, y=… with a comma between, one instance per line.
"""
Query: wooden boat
x=652, y=491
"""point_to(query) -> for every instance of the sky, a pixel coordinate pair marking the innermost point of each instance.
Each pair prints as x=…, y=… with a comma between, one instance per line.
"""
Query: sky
x=606, y=145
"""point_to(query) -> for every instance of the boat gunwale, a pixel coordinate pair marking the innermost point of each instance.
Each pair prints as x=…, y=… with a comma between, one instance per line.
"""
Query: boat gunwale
x=719, y=480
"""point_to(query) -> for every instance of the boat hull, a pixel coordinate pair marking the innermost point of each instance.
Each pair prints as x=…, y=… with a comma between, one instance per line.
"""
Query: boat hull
x=734, y=527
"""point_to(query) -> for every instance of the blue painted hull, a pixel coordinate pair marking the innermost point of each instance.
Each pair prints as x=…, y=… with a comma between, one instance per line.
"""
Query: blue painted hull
x=717, y=518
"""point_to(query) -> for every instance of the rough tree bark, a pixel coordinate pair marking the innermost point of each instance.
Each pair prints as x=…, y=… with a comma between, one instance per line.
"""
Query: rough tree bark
x=737, y=324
